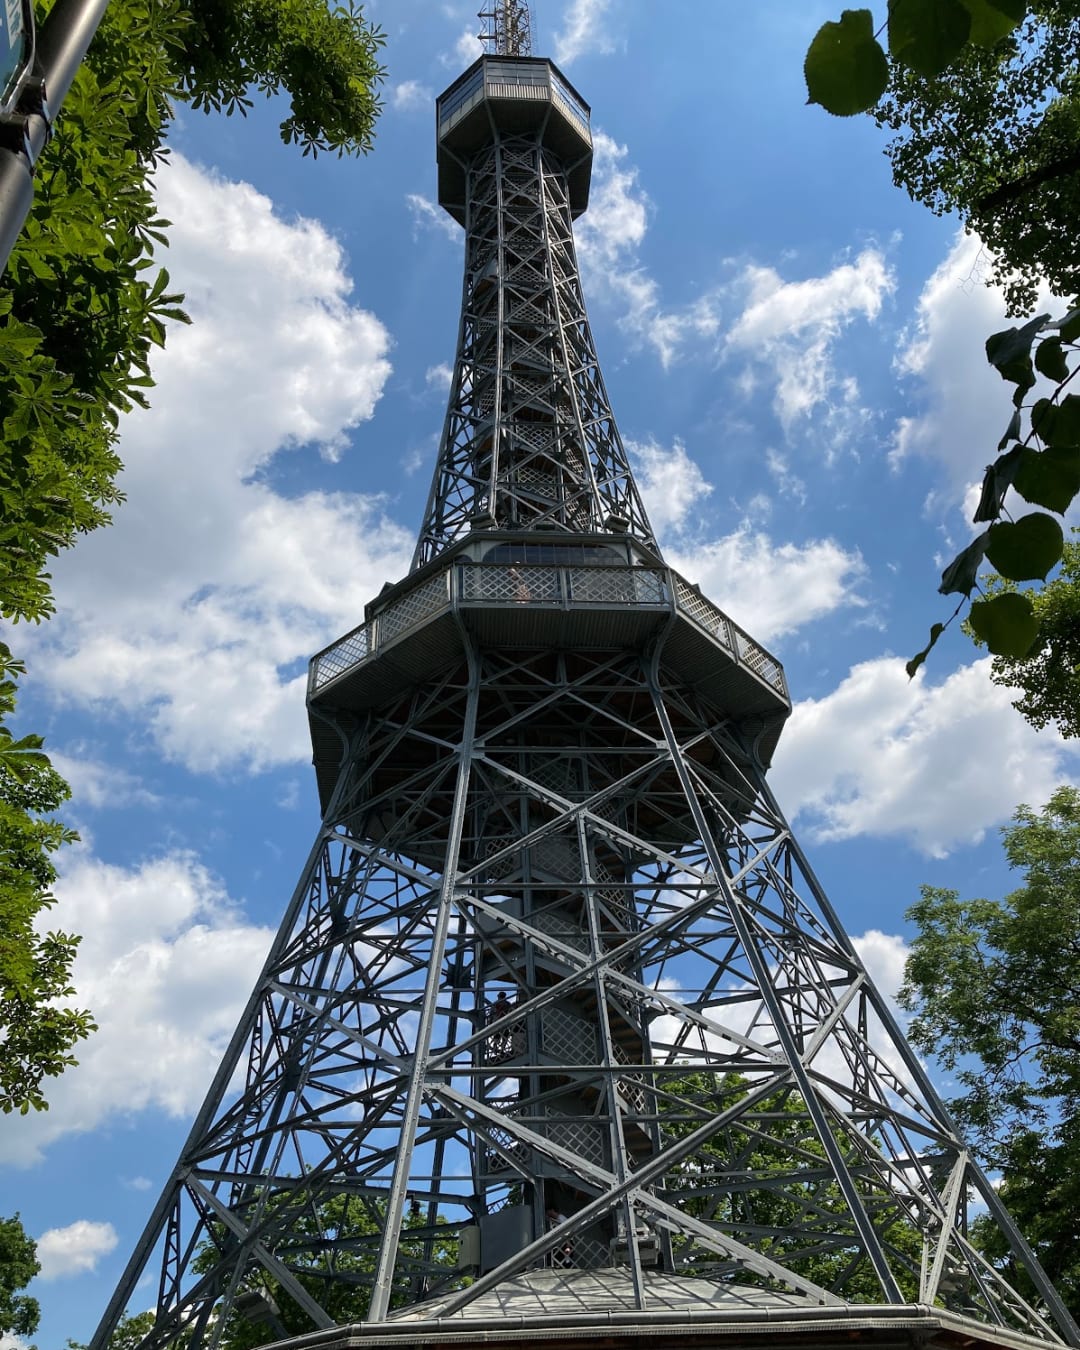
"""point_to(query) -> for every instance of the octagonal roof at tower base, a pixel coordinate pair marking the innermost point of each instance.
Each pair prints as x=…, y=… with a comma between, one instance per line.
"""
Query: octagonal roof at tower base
x=593, y=1310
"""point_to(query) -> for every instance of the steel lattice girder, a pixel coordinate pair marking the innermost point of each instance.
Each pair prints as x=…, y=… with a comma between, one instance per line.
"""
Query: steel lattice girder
x=530, y=440
x=555, y=947
x=690, y=1048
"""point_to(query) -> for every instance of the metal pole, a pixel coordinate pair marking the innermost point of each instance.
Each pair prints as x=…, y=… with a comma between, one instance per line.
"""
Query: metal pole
x=61, y=45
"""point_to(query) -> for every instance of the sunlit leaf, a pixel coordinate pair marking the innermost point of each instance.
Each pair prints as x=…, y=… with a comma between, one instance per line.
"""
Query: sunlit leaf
x=927, y=35
x=1050, y=477
x=1026, y=549
x=1050, y=360
x=990, y=22
x=916, y=661
x=846, y=70
x=959, y=577
x=1006, y=623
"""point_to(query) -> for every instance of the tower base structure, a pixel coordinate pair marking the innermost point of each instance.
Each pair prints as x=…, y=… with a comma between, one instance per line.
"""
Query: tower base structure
x=587, y=1310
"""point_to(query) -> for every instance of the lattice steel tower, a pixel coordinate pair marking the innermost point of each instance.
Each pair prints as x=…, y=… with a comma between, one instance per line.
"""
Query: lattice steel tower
x=559, y=1035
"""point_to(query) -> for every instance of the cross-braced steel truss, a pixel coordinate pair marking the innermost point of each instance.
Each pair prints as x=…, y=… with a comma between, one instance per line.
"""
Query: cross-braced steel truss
x=530, y=441
x=558, y=988
x=557, y=992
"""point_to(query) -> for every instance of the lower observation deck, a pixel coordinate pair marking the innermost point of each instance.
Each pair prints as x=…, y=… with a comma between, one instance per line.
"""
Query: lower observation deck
x=574, y=593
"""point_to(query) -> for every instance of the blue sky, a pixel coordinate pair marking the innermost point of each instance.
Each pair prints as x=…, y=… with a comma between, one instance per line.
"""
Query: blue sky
x=794, y=355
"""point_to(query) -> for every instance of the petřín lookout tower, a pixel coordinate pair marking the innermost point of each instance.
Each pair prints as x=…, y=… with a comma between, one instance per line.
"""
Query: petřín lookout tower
x=560, y=1039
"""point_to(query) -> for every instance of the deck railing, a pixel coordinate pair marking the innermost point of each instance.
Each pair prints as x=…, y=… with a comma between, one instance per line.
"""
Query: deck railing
x=468, y=583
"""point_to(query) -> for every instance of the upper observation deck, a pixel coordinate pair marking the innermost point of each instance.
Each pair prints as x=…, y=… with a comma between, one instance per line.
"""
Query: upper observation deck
x=508, y=96
x=530, y=590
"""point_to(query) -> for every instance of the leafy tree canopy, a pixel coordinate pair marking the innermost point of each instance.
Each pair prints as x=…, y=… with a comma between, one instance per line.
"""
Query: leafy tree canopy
x=129, y=1334
x=987, y=98
x=82, y=304
x=19, y=1314
x=996, y=138
x=35, y=967
x=993, y=986
x=84, y=301
x=1049, y=676
x=775, y=1190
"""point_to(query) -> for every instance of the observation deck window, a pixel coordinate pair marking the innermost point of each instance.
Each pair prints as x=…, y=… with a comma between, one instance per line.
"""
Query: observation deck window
x=555, y=554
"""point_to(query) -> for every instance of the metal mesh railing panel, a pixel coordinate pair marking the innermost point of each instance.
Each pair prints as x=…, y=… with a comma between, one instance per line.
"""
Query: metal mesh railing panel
x=703, y=612
x=353, y=648
x=616, y=585
x=759, y=661
x=578, y=1136
x=410, y=609
x=569, y=1039
x=521, y=584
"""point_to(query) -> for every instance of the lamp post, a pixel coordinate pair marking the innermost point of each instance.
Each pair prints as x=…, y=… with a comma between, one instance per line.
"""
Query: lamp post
x=36, y=71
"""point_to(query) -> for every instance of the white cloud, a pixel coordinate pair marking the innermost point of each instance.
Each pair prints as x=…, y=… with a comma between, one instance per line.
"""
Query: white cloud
x=466, y=49
x=165, y=964
x=609, y=236
x=199, y=606
x=74, y=1250
x=783, y=332
x=966, y=403
x=790, y=328
x=586, y=29
x=772, y=589
x=671, y=483
x=788, y=483
x=426, y=215
x=410, y=94
x=884, y=955
x=439, y=377
x=936, y=764
x=99, y=785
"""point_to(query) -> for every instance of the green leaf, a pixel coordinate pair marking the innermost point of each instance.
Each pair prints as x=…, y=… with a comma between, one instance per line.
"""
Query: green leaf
x=1006, y=623
x=959, y=577
x=1026, y=549
x=998, y=479
x=1058, y=423
x=927, y=35
x=1010, y=351
x=846, y=70
x=1049, y=478
x=1069, y=327
x=916, y=661
x=1012, y=431
x=990, y=22
x=1050, y=360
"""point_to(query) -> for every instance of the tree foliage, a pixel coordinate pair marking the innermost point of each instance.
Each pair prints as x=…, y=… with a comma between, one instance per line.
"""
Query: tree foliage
x=82, y=305
x=129, y=1334
x=775, y=1190
x=36, y=1034
x=996, y=139
x=988, y=99
x=19, y=1313
x=1038, y=460
x=1049, y=675
x=84, y=301
x=993, y=986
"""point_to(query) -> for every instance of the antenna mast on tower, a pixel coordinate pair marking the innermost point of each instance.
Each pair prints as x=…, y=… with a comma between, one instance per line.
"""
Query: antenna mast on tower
x=507, y=28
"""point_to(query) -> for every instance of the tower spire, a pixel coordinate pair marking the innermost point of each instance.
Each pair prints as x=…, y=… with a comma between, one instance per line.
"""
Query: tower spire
x=560, y=1037
x=530, y=441
x=507, y=28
